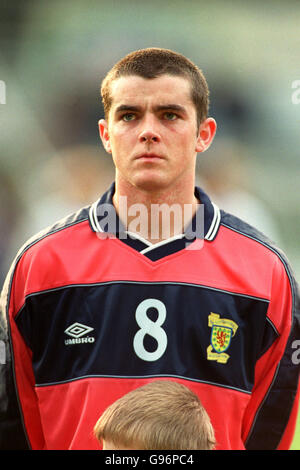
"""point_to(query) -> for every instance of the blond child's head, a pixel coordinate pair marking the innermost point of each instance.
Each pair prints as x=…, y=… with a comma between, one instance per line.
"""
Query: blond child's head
x=162, y=415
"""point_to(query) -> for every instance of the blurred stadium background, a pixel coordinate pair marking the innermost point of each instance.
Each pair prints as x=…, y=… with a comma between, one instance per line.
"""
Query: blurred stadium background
x=53, y=56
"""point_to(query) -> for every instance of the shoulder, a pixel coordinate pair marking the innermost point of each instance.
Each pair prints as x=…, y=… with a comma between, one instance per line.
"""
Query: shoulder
x=45, y=258
x=245, y=229
x=257, y=242
x=53, y=234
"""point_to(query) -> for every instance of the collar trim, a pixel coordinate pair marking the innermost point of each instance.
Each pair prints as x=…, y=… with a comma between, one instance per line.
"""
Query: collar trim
x=213, y=229
x=212, y=219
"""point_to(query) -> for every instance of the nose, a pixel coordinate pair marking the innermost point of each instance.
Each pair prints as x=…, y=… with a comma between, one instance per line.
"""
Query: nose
x=148, y=132
x=149, y=136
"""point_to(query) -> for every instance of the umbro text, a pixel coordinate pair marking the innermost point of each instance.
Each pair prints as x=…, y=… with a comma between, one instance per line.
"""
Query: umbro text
x=88, y=339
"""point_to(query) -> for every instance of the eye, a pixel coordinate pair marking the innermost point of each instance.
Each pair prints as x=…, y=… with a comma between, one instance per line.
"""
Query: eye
x=128, y=117
x=170, y=116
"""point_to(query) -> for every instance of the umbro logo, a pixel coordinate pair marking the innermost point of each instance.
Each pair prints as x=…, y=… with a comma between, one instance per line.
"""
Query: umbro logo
x=77, y=331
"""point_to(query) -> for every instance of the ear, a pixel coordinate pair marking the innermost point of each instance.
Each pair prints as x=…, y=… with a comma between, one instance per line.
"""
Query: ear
x=104, y=136
x=207, y=131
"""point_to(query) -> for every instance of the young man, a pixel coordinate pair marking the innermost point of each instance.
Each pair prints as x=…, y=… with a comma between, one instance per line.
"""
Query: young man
x=161, y=415
x=105, y=300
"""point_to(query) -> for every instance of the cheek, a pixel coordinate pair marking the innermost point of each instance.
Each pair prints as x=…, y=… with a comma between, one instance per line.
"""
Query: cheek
x=187, y=142
x=114, y=143
x=120, y=139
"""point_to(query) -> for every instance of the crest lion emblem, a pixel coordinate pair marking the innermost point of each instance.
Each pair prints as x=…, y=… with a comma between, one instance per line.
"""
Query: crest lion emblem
x=223, y=330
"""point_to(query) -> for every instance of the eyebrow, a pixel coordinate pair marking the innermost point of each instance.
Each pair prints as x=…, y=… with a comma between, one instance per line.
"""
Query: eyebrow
x=172, y=106
x=127, y=107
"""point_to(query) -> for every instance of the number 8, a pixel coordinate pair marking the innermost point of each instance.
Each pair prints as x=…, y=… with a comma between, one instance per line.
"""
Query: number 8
x=151, y=328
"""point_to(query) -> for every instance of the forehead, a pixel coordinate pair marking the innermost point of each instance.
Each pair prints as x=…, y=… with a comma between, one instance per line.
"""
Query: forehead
x=161, y=90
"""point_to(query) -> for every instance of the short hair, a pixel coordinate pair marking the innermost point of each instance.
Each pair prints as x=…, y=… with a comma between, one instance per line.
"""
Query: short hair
x=152, y=63
x=162, y=415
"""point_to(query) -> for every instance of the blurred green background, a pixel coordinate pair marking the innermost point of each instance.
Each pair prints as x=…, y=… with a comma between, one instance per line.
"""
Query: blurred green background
x=53, y=57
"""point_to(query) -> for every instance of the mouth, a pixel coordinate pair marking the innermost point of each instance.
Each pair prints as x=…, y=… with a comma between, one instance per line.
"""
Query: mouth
x=149, y=157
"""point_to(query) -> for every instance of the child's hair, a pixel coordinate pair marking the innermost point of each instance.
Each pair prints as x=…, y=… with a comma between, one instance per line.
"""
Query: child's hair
x=160, y=415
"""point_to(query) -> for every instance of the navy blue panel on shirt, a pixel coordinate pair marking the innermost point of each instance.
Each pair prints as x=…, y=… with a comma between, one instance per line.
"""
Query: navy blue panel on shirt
x=167, y=249
x=130, y=329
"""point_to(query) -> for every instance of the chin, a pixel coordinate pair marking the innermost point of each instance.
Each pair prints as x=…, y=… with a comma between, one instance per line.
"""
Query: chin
x=151, y=184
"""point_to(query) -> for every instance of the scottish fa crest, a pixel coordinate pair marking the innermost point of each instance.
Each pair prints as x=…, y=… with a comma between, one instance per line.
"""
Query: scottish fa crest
x=223, y=330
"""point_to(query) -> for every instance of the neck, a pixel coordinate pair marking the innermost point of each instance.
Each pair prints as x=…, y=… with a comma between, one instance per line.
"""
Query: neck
x=155, y=215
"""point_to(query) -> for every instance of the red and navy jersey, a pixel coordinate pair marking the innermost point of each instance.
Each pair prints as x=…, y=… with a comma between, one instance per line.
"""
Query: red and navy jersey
x=89, y=315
